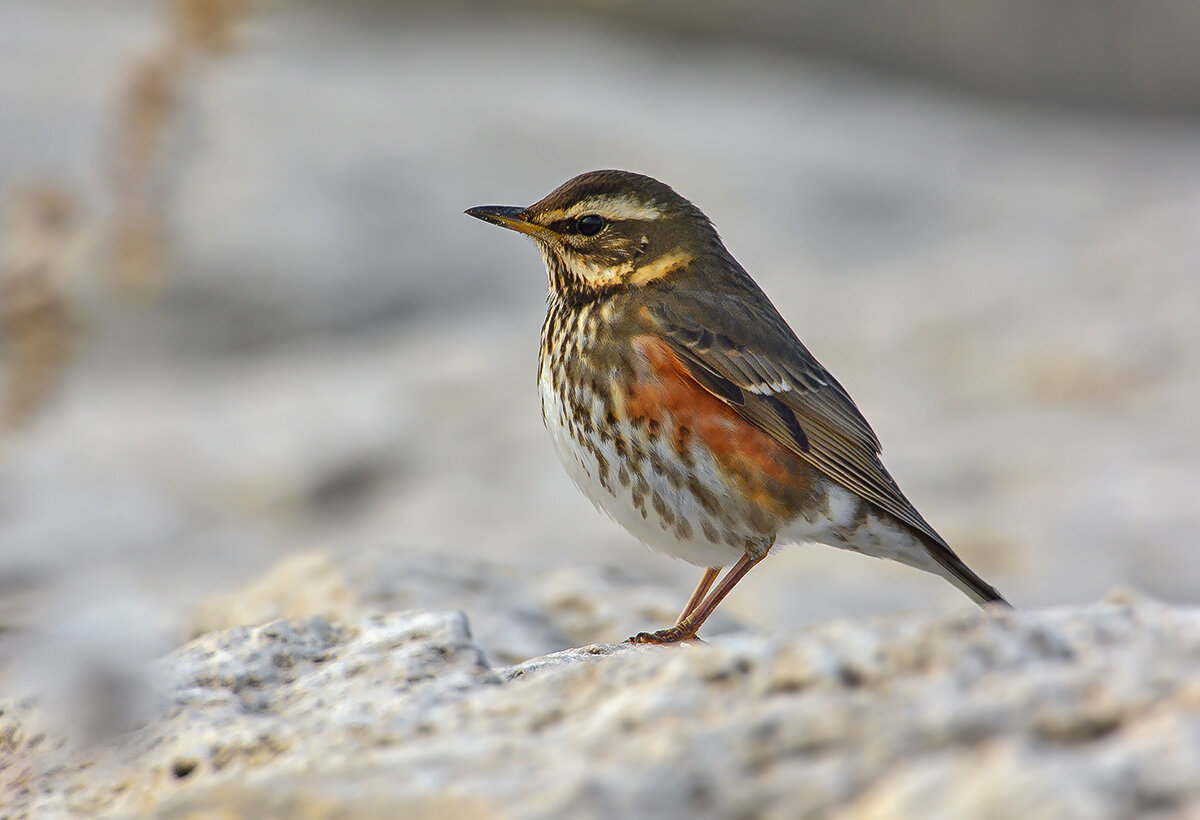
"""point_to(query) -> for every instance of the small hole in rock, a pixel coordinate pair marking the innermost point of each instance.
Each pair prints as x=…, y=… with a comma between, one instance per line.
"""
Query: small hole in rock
x=184, y=766
x=851, y=677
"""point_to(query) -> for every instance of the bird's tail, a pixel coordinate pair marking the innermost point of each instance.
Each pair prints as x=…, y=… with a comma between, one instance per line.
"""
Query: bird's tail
x=958, y=573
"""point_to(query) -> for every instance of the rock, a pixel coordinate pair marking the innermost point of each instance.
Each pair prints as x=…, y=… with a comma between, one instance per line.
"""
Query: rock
x=516, y=614
x=307, y=583
x=240, y=701
x=1081, y=712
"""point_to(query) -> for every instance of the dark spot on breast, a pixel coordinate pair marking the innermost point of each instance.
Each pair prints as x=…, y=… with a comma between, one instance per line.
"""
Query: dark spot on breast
x=602, y=469
x=638, y=494
x=656, y=462
x=760, y=520
x=683, y=440
x=682, y=444
x=660, y=507
x=703, y=497
x=675, y=478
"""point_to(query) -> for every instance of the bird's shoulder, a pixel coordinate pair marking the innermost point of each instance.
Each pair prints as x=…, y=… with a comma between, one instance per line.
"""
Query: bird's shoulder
x=736, y=345
x=734, y=338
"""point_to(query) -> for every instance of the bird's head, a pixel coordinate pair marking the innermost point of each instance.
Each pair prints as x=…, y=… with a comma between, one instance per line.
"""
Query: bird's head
x=607, y=231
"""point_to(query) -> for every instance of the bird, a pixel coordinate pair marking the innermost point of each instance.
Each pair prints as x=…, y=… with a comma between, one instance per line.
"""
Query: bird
x=683, y=405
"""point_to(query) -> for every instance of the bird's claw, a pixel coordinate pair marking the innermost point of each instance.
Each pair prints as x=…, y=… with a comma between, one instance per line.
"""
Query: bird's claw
x=674, y=634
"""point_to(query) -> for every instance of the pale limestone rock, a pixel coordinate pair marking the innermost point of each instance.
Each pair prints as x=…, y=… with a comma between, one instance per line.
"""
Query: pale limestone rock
x=515, y=614
x=1072, y=713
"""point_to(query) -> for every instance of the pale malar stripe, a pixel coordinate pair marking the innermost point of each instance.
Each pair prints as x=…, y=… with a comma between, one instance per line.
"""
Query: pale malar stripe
x=666, y=264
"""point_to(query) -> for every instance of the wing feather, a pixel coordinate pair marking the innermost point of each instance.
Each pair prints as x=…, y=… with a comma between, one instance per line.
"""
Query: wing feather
x=738, y=347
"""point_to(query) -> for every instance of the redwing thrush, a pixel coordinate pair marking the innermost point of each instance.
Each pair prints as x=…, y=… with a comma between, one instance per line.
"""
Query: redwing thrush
x=683, y=405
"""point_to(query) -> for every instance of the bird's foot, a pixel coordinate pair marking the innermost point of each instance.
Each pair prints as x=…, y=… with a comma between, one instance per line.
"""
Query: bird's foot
x=674, y=634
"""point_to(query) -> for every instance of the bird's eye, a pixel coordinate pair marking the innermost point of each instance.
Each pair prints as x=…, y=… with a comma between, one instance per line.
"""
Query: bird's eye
x=590, y=224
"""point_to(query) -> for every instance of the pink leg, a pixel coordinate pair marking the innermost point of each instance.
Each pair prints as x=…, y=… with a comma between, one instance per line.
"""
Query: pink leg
x=690, y=623
x=702, y=588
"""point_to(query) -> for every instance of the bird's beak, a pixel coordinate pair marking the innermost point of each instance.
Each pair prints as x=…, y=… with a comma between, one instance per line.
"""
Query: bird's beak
x=515, y=219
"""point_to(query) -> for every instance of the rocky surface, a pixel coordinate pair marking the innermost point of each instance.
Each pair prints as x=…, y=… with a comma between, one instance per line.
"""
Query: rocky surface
x=1089, y=712
x=515, y=614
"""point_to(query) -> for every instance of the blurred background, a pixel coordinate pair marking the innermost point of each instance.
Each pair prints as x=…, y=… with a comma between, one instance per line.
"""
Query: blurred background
x=244, y=325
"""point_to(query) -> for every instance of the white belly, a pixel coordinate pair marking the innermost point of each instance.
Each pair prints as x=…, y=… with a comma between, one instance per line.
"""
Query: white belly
x=846, y=525
x=653, y=507
x=651, y=504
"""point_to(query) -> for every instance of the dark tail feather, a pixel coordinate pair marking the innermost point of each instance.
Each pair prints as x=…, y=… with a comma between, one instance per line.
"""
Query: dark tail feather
x=959, y=574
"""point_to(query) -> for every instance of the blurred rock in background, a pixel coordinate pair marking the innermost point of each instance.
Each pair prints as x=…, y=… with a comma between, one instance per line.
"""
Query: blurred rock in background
x=1127, y=54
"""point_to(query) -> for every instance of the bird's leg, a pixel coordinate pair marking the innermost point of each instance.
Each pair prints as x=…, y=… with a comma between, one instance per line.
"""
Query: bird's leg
x=702, y=588
x=691, y=622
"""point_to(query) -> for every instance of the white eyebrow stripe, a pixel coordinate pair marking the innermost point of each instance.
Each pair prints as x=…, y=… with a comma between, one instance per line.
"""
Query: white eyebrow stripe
x=614, y=208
